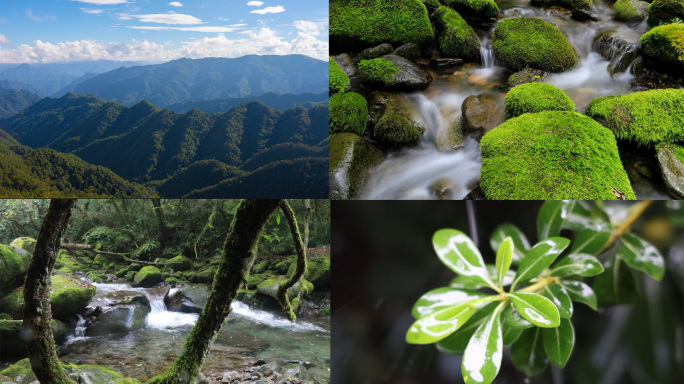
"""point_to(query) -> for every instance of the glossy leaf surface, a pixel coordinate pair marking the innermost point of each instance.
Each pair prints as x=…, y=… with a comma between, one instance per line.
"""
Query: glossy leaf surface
x=520, y=243
x=440, y=324
x=539, y=258
x=504, y=258
x=536, y=309
x=443, y=297
x=512, y=319
x=617, y=285
x=528, y=353
x=589, y=241
x=551, y=217
x=558, y=342
x=641, y=255
x=587, y=215
x=560, y=298
x=469, y=282
x=460, y=254
x=482, y=357
x=510, y=334
x=580, y=292
x=457, y=342
x=577, y=264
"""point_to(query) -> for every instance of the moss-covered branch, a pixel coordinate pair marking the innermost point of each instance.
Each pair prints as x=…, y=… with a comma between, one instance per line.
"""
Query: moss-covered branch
x=301, y=262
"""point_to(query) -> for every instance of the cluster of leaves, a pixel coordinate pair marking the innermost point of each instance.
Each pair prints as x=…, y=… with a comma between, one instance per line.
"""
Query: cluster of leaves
x=533, y=314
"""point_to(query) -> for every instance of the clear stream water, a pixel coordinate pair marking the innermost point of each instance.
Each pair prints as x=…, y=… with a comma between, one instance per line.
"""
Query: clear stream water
x=411, y=173
x=249, y=334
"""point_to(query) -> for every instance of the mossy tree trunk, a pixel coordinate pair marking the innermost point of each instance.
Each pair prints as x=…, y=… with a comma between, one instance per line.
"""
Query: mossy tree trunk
x=37, y=313
x=281, y=293
x=163, y=229
x=238, y=253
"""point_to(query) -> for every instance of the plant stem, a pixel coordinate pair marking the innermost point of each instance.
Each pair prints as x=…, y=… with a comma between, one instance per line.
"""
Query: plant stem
x=540, y=284
x=637, y=210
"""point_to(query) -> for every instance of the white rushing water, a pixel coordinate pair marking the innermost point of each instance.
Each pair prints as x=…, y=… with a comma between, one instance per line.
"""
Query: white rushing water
x=243, y=310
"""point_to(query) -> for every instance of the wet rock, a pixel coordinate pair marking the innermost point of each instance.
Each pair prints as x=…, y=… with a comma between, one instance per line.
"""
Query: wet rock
x=14, y=262
x=350, y=159
x=482, y=113
x=410, y=77
x=630, y=10
x=671, y=159
x=177, y=301
x=293, y=371
x=119, y=319
x=443, y=189
x=621, y=53
x=527, y=75
x=396, y=130
x=270, y=287
x=446, y=63
x=584, y=15
x=476, y=194
x=26, y=244
x=375, y=52
x=148, y=276
x=409, y=51
x=346, y=64
x=13, y=337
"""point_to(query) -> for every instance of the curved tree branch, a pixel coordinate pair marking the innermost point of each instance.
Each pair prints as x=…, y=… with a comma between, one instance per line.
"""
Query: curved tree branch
x=301, y=262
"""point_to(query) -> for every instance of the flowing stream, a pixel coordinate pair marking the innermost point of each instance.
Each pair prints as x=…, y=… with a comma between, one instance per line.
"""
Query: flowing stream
x=248, y=334
x=419, y=171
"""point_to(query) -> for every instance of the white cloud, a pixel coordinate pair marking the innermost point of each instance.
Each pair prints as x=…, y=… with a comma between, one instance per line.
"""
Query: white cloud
x=308, y=27
x=30, y=15
x=276, y=9
x=4, y=40
x=103, y=2
x=190, y=29
x=93, y=11
x=165, y=18
x=255, y=3
x=262, y=42
x=175, y=4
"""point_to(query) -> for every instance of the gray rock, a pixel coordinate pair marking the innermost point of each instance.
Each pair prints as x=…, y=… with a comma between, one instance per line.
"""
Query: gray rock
x=410, y=76
x=618, y=49
x=375, y=52
x=446, y=63
x=671, y=159
x=119, y=319
x=584, y=15
x=409, y=51
x=482, y=113
x=350, y=159
x=346, y=64
x=177, y=301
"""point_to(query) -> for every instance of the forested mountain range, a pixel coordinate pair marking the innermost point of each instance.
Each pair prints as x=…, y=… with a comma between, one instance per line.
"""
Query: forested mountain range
x=285, y=152
x=183, y=80
x=273, y=100
x=13, y=101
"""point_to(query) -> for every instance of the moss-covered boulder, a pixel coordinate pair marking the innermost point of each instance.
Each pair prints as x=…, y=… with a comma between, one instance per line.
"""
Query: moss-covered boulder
x=618, y=47
x=665, y=44
x=375, y=52
x=350, y=158
x=409, y=51
x=14, y=263
x=397, y=130
x=346, y=64
x=528, y=41
x=665, y=12
x=90, y=374
x=348, y=113
x=671, y=160
x=630, y=10
x=395, y=73
x=120, y=319
x=483, y=9
x=456, y=38
x=20, y=369
x=180, y=263
x=431, y=3
x=148, y=276
x=569, y=4
x=646, y=118
x=270, y=287
x=536, y=97
x=365, y=23
x=527, y=75
x=552, y=155
x=318, y=273
x=338, y=81
x=28, y=244
x=379, y=71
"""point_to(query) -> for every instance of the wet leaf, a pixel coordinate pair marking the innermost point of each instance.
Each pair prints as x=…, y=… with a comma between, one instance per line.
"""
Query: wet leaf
x=510, y=335
x=536, y=309
x=580, y=292
x=512, y=319
x=551, y=216
x=588, y=215
x=527, y=353
x=520, y=243
x=589, y=241
x=539, y=258
x=440, y=324
x=457, y=342
x=577, y=264
x=560, y=298
x=440, y=298
x=558, y=343
x=468, y=282
x=641, y=255
x=460, y=254
x=504, y=257
x=482, y=357
x=617, y=284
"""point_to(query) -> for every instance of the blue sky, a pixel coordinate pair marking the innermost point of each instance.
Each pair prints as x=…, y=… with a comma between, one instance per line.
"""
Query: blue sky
x=152, y=30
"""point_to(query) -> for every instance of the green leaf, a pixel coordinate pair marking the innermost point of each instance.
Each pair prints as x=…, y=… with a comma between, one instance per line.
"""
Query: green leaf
x=440, y=324
x=551, y=216
x=560, y=298
x=536, y=309
x=520, y=243
x=440, y=298
x=510, y=335
x=512, y=319
x=539, y=258
x=580, y=292
x=457, y=342
x=469, y=282
x=617, y=284
x=504, y=257
x=482, y=357
x=641, y=255
x=558, y=343
x=278, y=219
x=589, y=241
x=588, y=215
x=460, y=254
x=527, y=353
x=577, y=264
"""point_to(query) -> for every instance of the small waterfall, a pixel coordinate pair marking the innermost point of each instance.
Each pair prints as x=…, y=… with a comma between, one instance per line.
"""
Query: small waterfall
x=243, y=310
x=487, y=52
x=161, y=318
x=80, y=329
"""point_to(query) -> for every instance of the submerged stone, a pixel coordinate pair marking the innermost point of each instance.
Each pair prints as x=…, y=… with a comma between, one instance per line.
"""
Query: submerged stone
x=350, y=159
x=482, y=113
x=621, y=53
x=671, y=160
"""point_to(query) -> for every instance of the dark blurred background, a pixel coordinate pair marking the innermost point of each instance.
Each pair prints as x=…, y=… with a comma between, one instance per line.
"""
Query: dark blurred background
x=383, y=262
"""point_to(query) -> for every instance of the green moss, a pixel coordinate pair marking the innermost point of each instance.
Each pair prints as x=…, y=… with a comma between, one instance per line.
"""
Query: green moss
x=664, y=12
x=96, y=277
x=370, y=22
x=350, y=158
x=324, y=312
x=173, y=280
x=184, y=265
x=148, y=276
x=480, y=8
x=627, y=10
x=130, y=275
x=337, y=79
x=536, y=97
x=260, y=267
x=19, y=368
x=455, y=36
x=12, y=268
x=431, y=3
x=207, y=275
x=528, y=41
x=69, y=296
x=397, y=130
x=569, y=4
x=646, y=118
x=5, y=316
x=379, y=70
x=28, y=244
x=255, y=279
x=317, y=269
x=348, y=113
x=665, y=44
x=551, y=155
x=96, y=374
